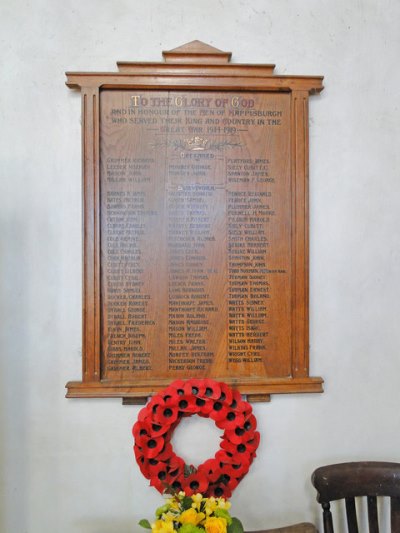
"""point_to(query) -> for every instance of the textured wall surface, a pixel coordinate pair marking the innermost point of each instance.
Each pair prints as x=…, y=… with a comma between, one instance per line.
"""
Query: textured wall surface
x=67, y=465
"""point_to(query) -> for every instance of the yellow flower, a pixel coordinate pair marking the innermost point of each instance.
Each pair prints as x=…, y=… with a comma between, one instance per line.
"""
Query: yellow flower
x=191, y=516
x=169, y=516
x=160, y=526
x=197, y=499
x=210, y=505
x=173, y=503
x=215, y=524
x=224, y=504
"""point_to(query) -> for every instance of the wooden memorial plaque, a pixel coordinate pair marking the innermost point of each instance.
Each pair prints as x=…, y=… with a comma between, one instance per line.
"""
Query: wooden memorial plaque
x=195, y=184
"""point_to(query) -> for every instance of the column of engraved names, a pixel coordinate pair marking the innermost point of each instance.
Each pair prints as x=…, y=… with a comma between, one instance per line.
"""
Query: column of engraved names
x=190, y=306
x=127, y=216
x=248, y=216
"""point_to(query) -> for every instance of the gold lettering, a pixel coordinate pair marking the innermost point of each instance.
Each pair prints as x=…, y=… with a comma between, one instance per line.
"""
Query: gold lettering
x=135, y=100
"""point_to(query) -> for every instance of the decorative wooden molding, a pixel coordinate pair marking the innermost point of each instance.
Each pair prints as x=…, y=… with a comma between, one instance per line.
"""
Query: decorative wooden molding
x=197, y=52
x=91, y=240
x=300, y=245
x=220, y=110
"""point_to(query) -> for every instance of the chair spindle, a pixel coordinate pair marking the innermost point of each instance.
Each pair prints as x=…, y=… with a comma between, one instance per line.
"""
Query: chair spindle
x=395, y=514
x=327, y=518
x=373, y=514
x=351, y=515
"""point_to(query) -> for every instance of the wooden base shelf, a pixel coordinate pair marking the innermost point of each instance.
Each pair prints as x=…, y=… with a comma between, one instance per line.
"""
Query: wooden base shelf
x=137, y=394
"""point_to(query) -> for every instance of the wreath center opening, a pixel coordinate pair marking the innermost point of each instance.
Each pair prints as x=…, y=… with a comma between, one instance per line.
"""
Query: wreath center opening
x=196, y=439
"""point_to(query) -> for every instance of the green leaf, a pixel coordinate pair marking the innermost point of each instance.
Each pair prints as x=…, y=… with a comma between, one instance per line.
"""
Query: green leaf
x=236, y=526
x=162, y=509
x=187, y=503
x=190, y=528
x=188, y=470
x=223, y=513
x=145, y=523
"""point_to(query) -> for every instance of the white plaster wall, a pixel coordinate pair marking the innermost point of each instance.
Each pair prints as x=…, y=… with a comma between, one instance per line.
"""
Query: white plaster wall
x=67, y=465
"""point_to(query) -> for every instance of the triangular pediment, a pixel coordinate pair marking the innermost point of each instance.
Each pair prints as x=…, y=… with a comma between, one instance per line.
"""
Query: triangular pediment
x=196, y=47
x=196, y=52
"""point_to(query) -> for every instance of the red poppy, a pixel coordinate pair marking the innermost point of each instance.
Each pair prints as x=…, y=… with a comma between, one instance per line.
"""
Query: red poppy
x=143, y=414
x=204, y=407
x=176, y=485
x=237, y=467
x=166, y=415
x=230, y=481
x=239, y=405
x=170, y=399
x=240, y=451
x=160, y=471
x=138, y=453
x=187, y=404
x=226, y=393
x=148, y=428
x=253, y=443
x=141, y=440
x=151, y=446
x=154, y=465
x=221, y=491
x=140, y=428
x=235, y=435
x=211, y=469
x=237, y=470
x=176, y=467
x=144, y=468
x=230, y=420
x=157, y=484
x=211, y=389
x=222, y=457
x=195, y=483
x=233, y=483
x=203, y=388
x=158, y=429
x=239, y=434
x=250, y=423
x=177, y=387
x=218, y=410
x=194, y=387
x=153, y=405
x=167, y=454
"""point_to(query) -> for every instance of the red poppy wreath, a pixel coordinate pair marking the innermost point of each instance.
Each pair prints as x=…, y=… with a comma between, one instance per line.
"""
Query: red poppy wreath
x=157, y=421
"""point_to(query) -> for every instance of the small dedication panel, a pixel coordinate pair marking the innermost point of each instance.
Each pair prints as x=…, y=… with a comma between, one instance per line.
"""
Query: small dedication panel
x=195, y=233
x=195, y=226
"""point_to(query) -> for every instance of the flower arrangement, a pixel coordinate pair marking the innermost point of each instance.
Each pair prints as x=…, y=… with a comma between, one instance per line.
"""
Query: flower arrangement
x=217, y=476
x=194, y=514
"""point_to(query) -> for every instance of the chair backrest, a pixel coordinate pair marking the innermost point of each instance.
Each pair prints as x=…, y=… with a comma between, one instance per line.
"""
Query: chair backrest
x=350, y=480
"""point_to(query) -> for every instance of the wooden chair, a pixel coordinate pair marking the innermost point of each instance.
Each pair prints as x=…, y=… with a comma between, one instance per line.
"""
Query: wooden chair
x=350, y=480
x=304, y=527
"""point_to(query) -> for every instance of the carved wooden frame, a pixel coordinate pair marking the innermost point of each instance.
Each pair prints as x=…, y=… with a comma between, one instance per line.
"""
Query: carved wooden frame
x=193, y=66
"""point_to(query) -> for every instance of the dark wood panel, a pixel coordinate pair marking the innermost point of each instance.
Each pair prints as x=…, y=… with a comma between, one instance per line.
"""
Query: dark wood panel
x=196, y=227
